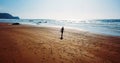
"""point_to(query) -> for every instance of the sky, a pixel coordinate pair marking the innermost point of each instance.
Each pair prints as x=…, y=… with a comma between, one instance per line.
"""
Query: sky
x=62, y=9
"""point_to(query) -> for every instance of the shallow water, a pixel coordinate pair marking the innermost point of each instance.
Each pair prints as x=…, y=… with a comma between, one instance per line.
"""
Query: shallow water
x=106, y=26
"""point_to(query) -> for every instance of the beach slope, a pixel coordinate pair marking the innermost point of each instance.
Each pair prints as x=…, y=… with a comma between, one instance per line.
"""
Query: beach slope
x=30, y=44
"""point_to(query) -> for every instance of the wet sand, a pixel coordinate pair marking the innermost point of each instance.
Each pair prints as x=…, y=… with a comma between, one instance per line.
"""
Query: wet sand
x=29, y=44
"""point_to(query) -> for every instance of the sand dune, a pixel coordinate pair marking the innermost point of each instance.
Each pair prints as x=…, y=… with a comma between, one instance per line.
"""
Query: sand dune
x=29, y=44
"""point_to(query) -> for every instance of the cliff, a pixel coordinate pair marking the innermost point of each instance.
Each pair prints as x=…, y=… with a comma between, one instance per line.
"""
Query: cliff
x=7, y=16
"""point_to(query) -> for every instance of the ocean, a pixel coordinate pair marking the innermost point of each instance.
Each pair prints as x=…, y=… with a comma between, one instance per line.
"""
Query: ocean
x=100, y=26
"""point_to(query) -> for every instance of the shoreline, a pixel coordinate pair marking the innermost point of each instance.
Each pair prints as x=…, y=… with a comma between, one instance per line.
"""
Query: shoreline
x=29, y=44
x=108, y=32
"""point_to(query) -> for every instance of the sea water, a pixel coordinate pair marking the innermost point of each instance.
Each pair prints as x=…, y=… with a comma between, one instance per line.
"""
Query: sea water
x=101, y=26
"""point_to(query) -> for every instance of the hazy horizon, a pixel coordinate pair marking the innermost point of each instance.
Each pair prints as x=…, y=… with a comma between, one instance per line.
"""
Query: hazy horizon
x=62, y=9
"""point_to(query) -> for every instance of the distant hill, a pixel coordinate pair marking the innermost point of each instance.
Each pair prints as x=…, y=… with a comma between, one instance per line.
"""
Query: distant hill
x=7, y=16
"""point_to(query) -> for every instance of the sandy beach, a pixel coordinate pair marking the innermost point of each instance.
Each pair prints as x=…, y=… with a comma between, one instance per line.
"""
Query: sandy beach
x=30, y=44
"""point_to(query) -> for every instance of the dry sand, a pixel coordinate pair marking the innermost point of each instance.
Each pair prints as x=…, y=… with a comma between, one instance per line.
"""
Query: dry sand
x=29, y=44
